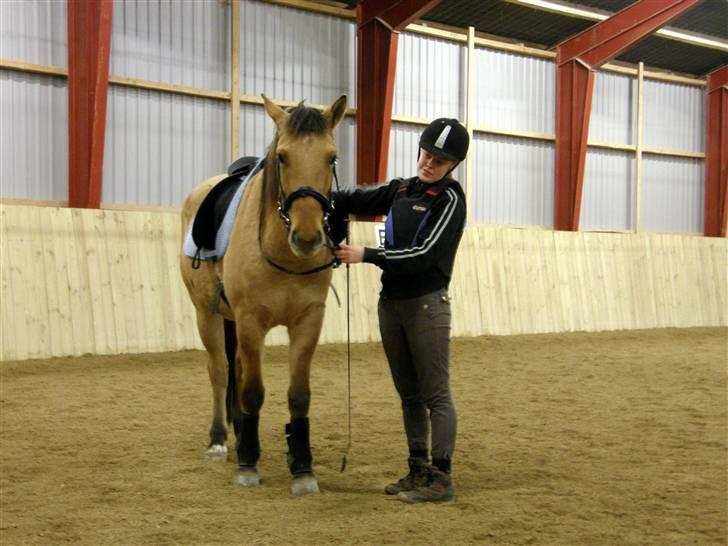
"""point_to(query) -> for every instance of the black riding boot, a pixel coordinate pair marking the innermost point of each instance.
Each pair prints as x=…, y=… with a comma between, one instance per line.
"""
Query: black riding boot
x=299, y=448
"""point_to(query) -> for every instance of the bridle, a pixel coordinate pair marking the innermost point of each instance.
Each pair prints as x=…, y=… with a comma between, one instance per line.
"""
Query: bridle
x=285, y=202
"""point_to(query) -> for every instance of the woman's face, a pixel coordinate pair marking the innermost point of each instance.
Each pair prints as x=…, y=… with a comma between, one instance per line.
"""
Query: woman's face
x=431, y=168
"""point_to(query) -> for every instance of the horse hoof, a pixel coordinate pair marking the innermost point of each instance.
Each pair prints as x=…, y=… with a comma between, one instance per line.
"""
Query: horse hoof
x=247, y=477
x=216, y=452
x=304, y=485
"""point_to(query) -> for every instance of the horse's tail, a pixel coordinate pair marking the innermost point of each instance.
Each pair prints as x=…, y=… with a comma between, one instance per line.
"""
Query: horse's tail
x=231, y=343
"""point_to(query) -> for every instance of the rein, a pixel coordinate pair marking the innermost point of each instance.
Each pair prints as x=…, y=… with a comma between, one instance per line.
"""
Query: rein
x=284, y=204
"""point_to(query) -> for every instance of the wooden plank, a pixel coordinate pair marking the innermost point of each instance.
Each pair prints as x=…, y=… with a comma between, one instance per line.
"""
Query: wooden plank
x=61, y=231
x=137, y=259
x=56, y=284
x=121, y=287
x=9, y=341
x=158, y=327
x=173, y=284
x=73, y=295
x=28, y=256
x=484, y=247
x=99, y=281
x=234, y=80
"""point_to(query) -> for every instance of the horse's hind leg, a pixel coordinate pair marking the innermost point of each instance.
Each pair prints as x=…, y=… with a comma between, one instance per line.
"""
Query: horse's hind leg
x=303, y=334
x=213, y=338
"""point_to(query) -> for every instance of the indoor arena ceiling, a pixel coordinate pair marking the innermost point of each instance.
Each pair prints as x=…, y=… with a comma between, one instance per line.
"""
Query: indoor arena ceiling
x=519, y=21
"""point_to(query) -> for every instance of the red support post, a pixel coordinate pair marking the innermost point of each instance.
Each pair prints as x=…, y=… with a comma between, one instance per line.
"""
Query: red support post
x=576, y=60
x=89, y=47
x=377, y=24
x=716, y=154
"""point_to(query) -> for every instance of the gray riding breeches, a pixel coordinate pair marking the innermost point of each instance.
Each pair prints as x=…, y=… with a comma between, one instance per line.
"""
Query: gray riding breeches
x=416, y=339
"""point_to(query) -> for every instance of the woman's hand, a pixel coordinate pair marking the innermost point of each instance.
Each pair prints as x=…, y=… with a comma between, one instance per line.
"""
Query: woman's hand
x=350, y=254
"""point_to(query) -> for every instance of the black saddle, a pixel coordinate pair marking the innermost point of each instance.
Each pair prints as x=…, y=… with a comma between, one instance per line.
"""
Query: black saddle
x=213, y=207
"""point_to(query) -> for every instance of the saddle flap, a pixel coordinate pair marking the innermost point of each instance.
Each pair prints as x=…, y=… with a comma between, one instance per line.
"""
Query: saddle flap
x=212, y=211
x=215, y=204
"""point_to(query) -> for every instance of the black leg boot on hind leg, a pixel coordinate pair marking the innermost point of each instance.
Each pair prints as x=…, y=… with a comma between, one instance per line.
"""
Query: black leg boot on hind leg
x=299, y=457
x=246, y=429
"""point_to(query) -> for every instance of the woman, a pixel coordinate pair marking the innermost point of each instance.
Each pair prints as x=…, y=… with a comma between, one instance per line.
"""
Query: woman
x=425, y=221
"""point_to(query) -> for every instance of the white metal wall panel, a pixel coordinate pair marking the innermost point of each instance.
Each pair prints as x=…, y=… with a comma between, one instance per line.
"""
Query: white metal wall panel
x=346, y=146
x=513, y=91
x=158, y=145
x=430, y=80
x=614, y=109
x=403, y=150
x=513, y=181
x=33, y=136
x=181, y=43
x=34, y=31
x=672, y=194
x=291, y=54
x=674, y=116
x=608, y=193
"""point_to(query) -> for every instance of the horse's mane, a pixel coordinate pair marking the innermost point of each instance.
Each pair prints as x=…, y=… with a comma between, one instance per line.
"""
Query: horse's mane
x=302, y=120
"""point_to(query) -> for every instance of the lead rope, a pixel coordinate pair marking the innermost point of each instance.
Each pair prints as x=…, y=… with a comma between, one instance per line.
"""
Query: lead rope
x=348, y=362
x=348, y=344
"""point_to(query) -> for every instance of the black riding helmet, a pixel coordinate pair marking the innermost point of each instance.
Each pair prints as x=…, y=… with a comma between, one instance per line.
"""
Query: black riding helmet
x=446, y=138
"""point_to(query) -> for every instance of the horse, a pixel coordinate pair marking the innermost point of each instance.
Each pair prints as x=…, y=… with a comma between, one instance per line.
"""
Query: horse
x=276, y=271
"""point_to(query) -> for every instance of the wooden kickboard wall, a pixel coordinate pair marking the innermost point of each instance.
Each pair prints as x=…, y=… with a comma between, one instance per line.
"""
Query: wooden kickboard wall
x=78, y=281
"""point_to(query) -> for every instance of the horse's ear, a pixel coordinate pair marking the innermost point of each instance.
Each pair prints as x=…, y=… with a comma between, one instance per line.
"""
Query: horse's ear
x=335, y=113
x=276, y=113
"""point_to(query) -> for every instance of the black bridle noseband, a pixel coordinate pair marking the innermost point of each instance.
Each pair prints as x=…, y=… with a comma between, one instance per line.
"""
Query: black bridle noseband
x=284, y=206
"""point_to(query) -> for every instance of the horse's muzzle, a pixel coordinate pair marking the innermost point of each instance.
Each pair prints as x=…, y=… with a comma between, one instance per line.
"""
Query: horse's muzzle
x=305, y=247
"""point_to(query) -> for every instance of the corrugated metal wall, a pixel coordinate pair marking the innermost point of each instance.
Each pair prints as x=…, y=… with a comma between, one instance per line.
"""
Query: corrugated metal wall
x=672, y=187
x=513, y=182
x=291, y=54
x=672, y=194
x=33, y=107
x=513, y=178
x=608, y=195
x=674, y=116
x=614, y=109
x=33, y=136
x=158, y=144
x=514, y=91
x=430, y=78
x=34, y=31
x=181, y=43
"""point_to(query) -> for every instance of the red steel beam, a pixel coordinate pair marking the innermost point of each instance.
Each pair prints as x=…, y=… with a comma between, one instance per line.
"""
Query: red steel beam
x=576, y=60
x=377, y=24
x=716, y=154
x=89, y=45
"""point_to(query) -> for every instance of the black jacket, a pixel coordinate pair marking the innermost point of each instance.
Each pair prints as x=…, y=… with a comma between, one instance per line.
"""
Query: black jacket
x=424, y=226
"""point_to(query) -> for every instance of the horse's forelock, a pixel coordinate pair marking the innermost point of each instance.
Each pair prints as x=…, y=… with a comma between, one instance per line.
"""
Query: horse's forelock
x=303, y=120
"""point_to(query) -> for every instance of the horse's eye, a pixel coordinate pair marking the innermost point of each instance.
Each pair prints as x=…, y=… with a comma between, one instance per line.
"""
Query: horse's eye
x=332, y=161
x=281, y=159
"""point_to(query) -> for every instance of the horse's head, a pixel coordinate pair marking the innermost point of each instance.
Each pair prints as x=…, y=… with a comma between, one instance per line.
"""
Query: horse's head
x=299, y=169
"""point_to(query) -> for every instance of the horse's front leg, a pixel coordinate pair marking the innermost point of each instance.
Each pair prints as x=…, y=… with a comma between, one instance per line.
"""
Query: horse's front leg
x=303, y=335
x=251, y=395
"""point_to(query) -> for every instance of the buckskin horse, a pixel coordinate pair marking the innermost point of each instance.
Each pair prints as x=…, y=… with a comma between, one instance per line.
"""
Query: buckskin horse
x=275, y=271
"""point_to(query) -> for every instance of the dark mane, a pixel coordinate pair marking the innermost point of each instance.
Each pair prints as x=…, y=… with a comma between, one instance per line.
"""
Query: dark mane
x=302, y=120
